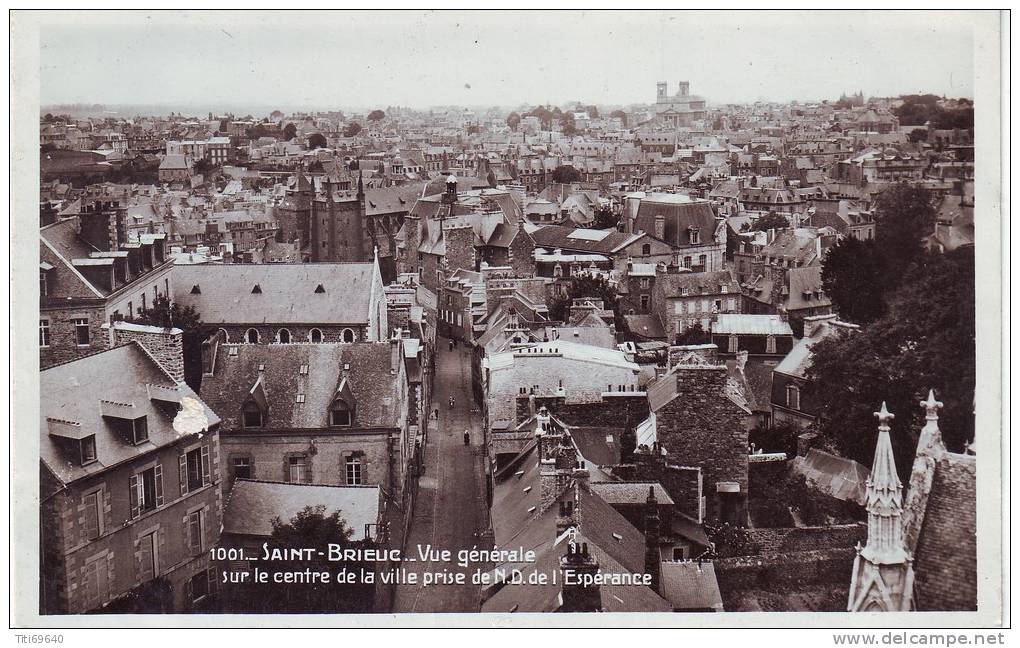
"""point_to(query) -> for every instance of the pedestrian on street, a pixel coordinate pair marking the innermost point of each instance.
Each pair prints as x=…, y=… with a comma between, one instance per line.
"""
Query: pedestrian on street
x=467, y=438
x=452, y=401
x=451, y=345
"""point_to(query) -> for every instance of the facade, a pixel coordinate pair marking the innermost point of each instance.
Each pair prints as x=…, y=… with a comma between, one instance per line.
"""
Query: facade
x=689, y=226
x=680, y=110
x=331, y=414
x=684, y=300
x=90, y=273
x=256, y=303
x=769, y=336
x=130, y=483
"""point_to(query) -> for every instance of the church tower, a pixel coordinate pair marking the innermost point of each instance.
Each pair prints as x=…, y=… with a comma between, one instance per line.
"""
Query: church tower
x=883, y=574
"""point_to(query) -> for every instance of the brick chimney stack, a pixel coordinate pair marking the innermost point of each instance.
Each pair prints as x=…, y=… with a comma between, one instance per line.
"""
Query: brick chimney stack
x=164, y=346
x=652, y=557
x=579, y=563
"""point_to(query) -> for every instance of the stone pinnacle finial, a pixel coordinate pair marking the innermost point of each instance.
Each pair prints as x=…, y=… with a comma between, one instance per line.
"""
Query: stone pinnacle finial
x=884, y=416
x=931, y=406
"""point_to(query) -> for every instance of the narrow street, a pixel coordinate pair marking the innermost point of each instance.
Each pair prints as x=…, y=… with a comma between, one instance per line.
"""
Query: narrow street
x=450, y=509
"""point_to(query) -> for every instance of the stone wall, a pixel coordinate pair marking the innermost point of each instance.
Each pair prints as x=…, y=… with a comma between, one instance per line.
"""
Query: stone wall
x=165, y=346
x=63, y=345
x=610, y=411
x=787, y=570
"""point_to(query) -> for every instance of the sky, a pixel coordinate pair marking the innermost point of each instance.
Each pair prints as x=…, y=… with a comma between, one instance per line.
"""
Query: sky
x=361, y=60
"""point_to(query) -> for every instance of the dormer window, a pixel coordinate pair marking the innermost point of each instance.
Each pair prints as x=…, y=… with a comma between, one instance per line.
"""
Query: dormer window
x=695, y=235
x=320, y=289
x=87, y=448
x=257, y=290
x=340, y=415
x=252, y=415
x=195, y=290
x=140, y=430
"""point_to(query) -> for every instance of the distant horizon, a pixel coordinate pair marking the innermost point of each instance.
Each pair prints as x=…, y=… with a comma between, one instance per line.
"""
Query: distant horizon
x=366, y=60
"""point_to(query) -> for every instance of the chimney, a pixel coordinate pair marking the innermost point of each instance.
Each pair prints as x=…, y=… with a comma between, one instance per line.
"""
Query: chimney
x=582, y=568
x=652, y=557
x=396, y=351
x=565, y=517
x=557, y=465
x=164, y=345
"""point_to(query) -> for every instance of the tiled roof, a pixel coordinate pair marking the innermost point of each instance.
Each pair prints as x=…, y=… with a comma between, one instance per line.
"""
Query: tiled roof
x=252, y=505
x=696, y=283
x=740, y=324
x=580, y=240
x=690, y=585
x=73, y=391
x=226, y=292
x=629, y=492
x=315, y=370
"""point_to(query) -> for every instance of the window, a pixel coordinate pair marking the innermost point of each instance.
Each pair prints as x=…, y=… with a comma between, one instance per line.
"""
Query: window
x=315, y=336
x=251, y=336
x=353, y=470
x=93, y=515
x=87, y=446
x=283, y=336
x=199, y=586
x=298, y=469
x=252, y=415
x=702, y=260
x=695, y=236
x=681, y=553
x=147, y=548
x=143, y=302
x=793, y=397
x=81, y=331
x=339, y=414
x=770, y=344
x=42, y=283
x=96, y=579
x=241, y=467
x=348, y=336
x=687, y=262
x=646, y=249
x=44, y=332
x=140, y=430
x=734, y=344
x=146, y=490
x=731, y=304
x=644, y=302
x=646, y=283
x=194, y=531
x=194, y=469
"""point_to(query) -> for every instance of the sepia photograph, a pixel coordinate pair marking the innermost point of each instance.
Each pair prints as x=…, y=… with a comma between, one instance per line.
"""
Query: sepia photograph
x=464, y=318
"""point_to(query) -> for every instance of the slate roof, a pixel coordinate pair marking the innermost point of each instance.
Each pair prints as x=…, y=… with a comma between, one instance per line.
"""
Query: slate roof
x=73, y=391
x=697, y=283
x=844, y=479
x=287, y=292
x=647, y=326
x=252, y=505
x=598, y=445
x=391, y=200
x=680, y=217
x=174, y=162
x=581, y=240
x=629, y=492
x=379, y=397
x=690, y=585
x=808, y=280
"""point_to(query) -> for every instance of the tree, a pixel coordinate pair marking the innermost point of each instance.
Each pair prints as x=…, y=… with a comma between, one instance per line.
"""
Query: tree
x=167, y=314
x=513, y=120
x=289, y=132
x=694, y=335
x=622, y=116
x=376, y=115
x=202, y=166
x=545, y=117
x=352, y=129
x=584, y=285
x=567, y=124
x=904, y=215
x=771, y=220
x=853, y=279
x=316, y=140
x=566, y=174
x=275, y=115
x=925, y=341
x=310, y=528
x=606, y=218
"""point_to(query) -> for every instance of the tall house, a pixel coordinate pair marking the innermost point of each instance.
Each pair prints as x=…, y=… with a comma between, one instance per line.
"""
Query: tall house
x=90, y=273
x=129, y=481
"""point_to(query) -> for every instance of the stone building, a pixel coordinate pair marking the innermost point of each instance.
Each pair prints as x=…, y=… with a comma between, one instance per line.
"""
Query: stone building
x=768, y=336
x=689, y=226
x=684, y=300
x=90, y=273
x=680, y=110
x=333, y=414
x=286, y=302
x=130, y=481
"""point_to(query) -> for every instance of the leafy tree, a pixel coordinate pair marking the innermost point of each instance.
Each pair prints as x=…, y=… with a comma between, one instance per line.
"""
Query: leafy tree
x=310, y=528
x=167, y=314
x=778, y=437
x=275, y=115
x=544, y=115
x=771, y=220
x=566, y=174
x=289, y=132
x=622, y=116
x=904, y=215
x=202, y=166
x=853, y=279
x=567, y=123
x=352, y=129
x=376, y=115
x=606, y=218
x=48, y=118
x=584, y=285
x=316, y=140
x=925, y=341
x=917, y=135
x=513, y=120
x=694, y=335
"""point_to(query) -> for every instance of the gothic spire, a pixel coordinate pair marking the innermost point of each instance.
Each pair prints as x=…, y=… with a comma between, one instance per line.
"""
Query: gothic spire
x=884, y=500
